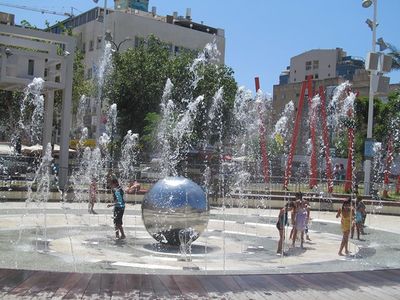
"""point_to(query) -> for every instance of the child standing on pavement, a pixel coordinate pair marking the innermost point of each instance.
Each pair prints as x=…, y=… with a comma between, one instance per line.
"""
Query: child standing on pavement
x=92, y=195
x=301, y=220
x=358, y=218
x=119, y=208
x=346, y=218
x=281, y=223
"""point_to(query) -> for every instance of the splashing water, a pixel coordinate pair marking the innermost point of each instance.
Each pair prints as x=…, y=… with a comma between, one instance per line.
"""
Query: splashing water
x=105, y=67
x=129, y=157
x=82, y=108
x=283, y=127
x=31, y=123
x=42, y=181
x=111, y=120
x=377, y=170
x=174, y=130
x=245, y=137
x=209, y=54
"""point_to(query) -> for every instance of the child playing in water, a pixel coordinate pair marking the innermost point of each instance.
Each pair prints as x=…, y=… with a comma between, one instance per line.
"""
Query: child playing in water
x=297, y=197
x=301, y=220
x=346, y=215
x=92, y=195
x=282, y=222
x=358, y=219
x=119, y=208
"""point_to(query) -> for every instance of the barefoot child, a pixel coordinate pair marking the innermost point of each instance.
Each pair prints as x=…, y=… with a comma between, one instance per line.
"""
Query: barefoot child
x=301, y=221
x=92, y=195
x=358, y=219
x=282, y=222
x=119, y=208
x=346, y=215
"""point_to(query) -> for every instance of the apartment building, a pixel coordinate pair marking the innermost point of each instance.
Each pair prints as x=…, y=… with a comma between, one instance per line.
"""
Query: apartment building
x=129, y=24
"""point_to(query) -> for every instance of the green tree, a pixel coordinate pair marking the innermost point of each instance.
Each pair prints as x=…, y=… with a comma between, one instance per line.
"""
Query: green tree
x=395, y=54
x=9, y=112
x=80, y=86
x=137, y=83
x=139, y=78
x=26, y=24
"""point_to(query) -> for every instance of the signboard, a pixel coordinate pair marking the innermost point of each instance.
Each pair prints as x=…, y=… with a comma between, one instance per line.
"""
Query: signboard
x=369, y=148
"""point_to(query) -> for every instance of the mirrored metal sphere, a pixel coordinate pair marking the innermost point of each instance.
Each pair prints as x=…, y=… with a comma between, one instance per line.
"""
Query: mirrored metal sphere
x=173, y=204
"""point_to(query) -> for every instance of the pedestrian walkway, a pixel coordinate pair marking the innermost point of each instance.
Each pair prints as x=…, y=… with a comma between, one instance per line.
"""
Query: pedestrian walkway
x=25, y=284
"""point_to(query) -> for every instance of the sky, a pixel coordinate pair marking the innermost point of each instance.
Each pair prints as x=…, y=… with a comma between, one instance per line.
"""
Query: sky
x=261, y=35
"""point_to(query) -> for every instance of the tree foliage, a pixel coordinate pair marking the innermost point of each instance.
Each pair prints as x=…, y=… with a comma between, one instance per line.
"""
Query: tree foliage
x=395, y=54
x=80, y=86
x=9, y=112
x=138, y=80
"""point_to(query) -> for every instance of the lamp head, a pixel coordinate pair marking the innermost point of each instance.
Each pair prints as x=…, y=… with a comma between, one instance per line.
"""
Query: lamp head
x=371, y=24
x=366, y=3
x=382, y=44
x=8, y=52
x=108, y=36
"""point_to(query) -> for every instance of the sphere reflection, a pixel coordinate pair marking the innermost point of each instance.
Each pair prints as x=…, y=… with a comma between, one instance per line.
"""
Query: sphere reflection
x=174, y=204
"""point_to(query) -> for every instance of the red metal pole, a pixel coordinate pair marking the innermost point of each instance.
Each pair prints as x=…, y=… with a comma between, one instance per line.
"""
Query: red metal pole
x=313, y=120
x=325, y=137
x=349, y=171
x=263, y=141
x=288, y=170
x=389, y=160
x=398, y=185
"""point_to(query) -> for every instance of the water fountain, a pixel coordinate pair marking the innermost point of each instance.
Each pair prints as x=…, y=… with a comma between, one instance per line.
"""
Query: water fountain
x=181, y=231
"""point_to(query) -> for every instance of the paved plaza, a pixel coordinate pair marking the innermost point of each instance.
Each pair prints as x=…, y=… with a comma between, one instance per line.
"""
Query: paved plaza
x=237, y=241
x=75, y=256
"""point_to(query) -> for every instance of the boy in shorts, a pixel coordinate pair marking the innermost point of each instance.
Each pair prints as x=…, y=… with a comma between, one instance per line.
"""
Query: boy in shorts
x=119, y=208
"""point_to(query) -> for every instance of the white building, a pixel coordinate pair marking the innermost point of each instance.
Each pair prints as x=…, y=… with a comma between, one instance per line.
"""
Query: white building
x=26, y=54
x=320, y=63
x=129, y=27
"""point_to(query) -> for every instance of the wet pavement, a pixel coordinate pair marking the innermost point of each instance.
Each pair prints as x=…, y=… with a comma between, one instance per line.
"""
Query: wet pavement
x=64, y=237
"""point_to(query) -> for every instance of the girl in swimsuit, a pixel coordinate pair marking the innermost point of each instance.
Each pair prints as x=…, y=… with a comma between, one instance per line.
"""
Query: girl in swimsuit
x=346, y=213
x=301, y=220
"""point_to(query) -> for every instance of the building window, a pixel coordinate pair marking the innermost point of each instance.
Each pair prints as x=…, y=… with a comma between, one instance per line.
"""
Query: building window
x=329, y=66
x=84, y=48
x=91, y=45
x=89, y=73
x=308, y=65
x=176, y=50
x=329, y=74
x=46, y=72
x=139, y=41
x=99, y=40
x=316, y=76
x=169, y=47
x=294, y=79
x=315, y=64
x=31, y=67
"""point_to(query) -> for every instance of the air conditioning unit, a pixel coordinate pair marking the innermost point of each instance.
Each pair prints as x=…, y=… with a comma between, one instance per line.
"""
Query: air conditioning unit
x=7, y=19
x=372, y=61
x=385, y=63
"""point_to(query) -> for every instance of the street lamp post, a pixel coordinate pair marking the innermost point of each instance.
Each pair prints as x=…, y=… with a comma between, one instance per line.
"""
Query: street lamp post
x=99, y=102
x=108, y=38
x=373, y=75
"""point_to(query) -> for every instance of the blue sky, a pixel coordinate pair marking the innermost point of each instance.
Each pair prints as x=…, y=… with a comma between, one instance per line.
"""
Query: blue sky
x=262, y=35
